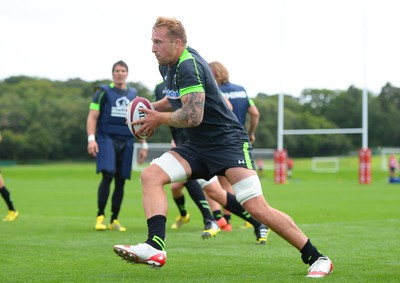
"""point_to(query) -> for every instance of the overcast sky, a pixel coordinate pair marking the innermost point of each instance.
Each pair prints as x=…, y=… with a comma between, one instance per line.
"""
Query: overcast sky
x=268, y=46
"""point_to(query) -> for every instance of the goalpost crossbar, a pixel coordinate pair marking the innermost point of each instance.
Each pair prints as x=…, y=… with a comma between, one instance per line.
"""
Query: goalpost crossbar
x=323, y=131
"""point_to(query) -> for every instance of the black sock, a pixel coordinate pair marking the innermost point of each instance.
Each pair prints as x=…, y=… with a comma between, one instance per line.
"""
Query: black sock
x=116, y=199
x=309, y=253
x=103, y=192
x=156, y=227
x=217, y=214
x=197, y=195
x=227, y=217
x=180, y=203
x=6, y=196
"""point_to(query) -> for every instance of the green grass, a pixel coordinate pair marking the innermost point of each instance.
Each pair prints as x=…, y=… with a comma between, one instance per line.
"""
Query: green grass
x=357, y=226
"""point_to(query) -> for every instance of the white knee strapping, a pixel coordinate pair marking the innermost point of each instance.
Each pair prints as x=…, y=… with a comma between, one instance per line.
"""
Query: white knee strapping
x=247, y=188
x=203, y=183
x=171, y=166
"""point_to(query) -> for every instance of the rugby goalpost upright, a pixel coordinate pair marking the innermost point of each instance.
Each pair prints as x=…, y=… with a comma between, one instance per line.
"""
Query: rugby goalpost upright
x=364, y=154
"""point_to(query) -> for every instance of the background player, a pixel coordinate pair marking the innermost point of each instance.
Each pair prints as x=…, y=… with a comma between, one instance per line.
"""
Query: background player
x=111, y=142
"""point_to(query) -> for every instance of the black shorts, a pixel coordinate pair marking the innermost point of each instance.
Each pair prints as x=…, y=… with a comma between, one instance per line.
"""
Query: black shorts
x=208, y=160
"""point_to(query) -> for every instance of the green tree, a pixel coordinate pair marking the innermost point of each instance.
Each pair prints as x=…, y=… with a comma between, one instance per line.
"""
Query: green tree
x=384, y=117
x=42, y=119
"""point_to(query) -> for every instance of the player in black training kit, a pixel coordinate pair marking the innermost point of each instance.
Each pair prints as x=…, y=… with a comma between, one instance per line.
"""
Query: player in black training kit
x=211, y=227
x=217, y=145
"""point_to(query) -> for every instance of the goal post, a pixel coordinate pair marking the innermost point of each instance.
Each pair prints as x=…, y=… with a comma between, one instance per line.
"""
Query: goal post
x=325, y=164
x=364, y=166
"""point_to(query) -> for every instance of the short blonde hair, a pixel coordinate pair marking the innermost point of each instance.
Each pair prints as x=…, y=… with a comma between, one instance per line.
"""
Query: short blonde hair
x=221, y=74
x=175, y=28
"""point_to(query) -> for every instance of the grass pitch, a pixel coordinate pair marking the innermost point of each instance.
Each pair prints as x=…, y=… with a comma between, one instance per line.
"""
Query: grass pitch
x=357, y=226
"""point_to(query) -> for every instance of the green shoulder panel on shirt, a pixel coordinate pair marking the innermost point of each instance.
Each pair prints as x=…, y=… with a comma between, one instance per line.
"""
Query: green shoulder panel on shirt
x=185, y=56
x=195, y=88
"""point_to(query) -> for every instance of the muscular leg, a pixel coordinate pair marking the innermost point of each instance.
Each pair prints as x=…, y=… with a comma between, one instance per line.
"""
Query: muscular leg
x=228, y=201
x=278, y=221
x=155, y=202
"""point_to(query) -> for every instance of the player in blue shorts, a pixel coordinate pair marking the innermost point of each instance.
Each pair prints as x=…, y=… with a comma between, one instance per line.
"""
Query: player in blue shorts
x=111, y=142
x=242, y=105
x=217, y=145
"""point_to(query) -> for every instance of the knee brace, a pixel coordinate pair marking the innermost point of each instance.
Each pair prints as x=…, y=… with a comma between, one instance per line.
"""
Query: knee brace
x=171, y=166
x=247, y=188
x=203, y=183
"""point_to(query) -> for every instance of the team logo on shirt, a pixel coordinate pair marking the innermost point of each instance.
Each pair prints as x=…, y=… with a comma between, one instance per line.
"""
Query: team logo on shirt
x=172, y=94
x=119, y=110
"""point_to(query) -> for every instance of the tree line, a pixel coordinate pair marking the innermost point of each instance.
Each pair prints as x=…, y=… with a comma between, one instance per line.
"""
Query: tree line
x=45, y=120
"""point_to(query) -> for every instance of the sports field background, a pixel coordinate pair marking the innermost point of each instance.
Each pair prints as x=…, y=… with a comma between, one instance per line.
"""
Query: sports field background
x=357, y=226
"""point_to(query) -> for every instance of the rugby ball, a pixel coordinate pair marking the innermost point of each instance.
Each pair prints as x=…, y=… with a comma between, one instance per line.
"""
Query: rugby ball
x=133, y=113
